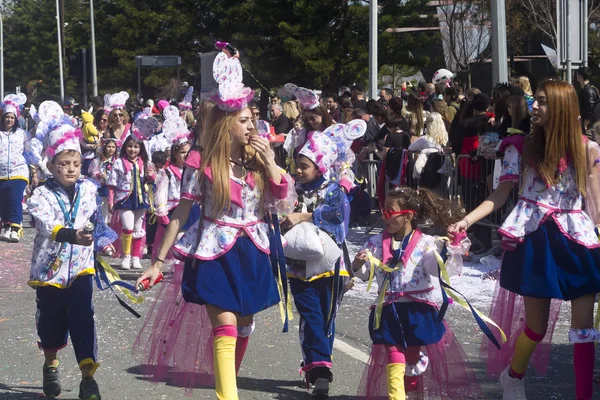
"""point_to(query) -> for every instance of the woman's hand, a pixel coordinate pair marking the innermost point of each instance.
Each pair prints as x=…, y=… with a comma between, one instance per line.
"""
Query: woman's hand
x=151, y=273
x=110, y=208
x=460, y=226
x=291, y=220
x=263, y=149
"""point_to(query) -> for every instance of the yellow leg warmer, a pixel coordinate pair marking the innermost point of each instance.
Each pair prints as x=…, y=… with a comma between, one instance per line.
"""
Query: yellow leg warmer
x=524, y=349
x=224, y=359
x=126, y=239
x=395, y=381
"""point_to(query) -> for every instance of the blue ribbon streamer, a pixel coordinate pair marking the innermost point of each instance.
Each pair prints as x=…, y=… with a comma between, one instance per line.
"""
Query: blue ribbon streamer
x=278, y=263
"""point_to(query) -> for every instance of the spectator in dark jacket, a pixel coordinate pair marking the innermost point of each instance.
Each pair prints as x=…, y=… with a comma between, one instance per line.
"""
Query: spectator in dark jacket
x=587, y=95
x=331, y=103
x=280, y=122
x=472, y=178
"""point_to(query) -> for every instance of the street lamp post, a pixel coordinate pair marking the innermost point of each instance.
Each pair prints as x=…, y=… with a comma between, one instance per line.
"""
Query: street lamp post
x=499, y=54
x=1, y=56
x=60, y=59
x=373, y=65
x=93, y=34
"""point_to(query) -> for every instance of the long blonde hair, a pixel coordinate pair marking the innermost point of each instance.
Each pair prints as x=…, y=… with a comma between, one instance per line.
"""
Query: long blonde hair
x=560, y=139
x=217, y=154
x=436, y=129
x=525, y=85
x=203, y=121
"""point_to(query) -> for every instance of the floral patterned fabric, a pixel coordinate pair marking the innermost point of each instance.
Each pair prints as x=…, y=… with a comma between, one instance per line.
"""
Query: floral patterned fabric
x=168, y=188
x=245, y=215
x=12, y=160
x=511, y=165
x=120, y=178
x=538, y=202
x=413, y=281
x=52, y=263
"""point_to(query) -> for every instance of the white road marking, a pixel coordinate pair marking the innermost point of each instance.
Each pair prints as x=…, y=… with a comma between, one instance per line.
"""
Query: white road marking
x=348, y=350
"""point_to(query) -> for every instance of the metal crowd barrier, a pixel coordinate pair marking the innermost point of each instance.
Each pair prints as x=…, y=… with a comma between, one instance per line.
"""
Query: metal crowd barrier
x=468, y=184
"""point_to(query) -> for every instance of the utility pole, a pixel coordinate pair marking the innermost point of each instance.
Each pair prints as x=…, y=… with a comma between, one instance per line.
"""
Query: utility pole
x=499, y=54
x=60, y=55
x=93, y=34
x=373, y=48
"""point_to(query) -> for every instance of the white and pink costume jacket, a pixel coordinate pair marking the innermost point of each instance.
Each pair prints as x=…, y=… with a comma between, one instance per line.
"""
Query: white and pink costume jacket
x=120, y=178
x=168, y=188
x=538, y=202
x=413, y=281
x=244, y=217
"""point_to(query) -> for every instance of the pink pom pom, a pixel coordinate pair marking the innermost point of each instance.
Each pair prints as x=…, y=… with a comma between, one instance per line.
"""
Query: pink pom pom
x=162, y=104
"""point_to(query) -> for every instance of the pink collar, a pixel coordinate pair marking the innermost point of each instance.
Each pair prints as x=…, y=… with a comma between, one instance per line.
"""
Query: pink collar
x=235, y=188
x=128, y=164
x=176, y=171
x=194, y=160
x=386, y=244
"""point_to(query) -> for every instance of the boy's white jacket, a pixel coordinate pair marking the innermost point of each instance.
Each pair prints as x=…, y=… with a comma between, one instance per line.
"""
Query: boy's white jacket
x=58, y=264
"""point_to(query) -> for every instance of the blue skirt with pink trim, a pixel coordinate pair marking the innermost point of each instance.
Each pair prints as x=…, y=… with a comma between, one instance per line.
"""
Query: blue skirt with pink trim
x=240, y=281
x=407, y=324
x=549, y=265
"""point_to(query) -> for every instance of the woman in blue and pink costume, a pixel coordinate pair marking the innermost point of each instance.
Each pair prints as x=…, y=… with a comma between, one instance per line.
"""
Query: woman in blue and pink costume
x=226, y=253
x=551, y=248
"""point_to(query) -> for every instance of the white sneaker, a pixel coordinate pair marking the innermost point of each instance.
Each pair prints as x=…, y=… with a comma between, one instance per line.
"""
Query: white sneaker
x=126, y=262
x=13, y=236
x=5, y=233
x=136, y=264
x=513, y=388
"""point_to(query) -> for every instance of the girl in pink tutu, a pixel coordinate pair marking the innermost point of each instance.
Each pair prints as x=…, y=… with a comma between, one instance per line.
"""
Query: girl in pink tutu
x=413, y=347
x=551, y=252
x=227, y=266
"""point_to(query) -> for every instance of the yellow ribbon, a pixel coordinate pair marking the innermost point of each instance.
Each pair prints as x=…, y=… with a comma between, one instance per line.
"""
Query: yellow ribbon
x=282, y=308
x=151, y=210
x=457, y=298
x=112, y=276
x=376, y=263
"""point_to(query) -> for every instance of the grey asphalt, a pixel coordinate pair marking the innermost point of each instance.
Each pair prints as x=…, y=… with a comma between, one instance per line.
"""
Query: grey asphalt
x=270, y=369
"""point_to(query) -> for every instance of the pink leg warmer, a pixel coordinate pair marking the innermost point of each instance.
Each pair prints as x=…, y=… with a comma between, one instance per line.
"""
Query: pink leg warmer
x=583, y=363
x=136, y=248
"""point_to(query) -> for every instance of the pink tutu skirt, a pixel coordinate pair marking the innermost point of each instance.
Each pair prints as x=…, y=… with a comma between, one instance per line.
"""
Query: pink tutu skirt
x=448, y=375
x=175, y=342
x=508, y=311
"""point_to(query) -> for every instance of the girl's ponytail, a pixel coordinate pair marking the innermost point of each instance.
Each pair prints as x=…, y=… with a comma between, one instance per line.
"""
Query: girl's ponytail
x=441, y=212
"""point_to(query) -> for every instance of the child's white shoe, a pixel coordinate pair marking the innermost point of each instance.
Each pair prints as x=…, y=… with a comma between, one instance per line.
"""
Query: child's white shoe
x=513, y=388
x=5, y=233
x=126, y=262
x=135, y=263
x=14, y=236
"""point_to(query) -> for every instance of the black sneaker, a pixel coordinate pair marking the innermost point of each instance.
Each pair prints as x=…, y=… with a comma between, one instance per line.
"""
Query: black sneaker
x=88, y=389
x=321, y=390
x=51, y=383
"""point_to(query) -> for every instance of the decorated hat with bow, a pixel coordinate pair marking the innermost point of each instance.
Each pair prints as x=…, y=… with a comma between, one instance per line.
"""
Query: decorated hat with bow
x=321, y=150
x=115, y=101
x=233, y=95
x=57, y=130
x=186, y=103
x=175, y=128
x=307, y=98
x=144, y=126
x=13, y=103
